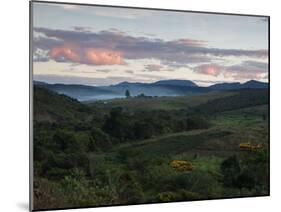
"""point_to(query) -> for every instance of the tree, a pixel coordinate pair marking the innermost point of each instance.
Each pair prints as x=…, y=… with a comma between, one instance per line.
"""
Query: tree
x=100, y=140
x=127, y=94
x=255, y=171
x=230, y=169
x=118, y=125
x=65, y=141
x=246, y=180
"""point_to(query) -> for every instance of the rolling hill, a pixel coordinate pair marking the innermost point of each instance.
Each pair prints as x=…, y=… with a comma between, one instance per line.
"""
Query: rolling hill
x=55, y=108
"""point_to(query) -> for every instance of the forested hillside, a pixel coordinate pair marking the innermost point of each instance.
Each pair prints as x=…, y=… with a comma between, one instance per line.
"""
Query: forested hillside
x=149, y=149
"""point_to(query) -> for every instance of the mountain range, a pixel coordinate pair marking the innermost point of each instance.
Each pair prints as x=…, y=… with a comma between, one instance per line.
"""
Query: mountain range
x=159, y=88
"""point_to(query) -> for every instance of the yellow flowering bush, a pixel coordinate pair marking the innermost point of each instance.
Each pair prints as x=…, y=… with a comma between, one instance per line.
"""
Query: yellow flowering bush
x=248, y=146
x=181, y=165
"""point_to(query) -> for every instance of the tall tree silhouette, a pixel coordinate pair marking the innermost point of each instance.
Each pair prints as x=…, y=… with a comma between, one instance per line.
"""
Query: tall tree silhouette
x=127, y=94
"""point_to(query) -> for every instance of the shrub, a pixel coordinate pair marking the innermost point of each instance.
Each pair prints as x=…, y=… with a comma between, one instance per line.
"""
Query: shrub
x=181, y=165
x=250, y=147
x=130, y=190
x=166, y=196
x=179, y=195
x=47, y=195
x=187, y=195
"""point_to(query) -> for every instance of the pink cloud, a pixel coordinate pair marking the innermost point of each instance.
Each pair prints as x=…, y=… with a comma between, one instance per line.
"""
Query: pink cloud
x=103, y=57
x=244, y=70
x=209, y=69
x=91, y=56
x=65, y=52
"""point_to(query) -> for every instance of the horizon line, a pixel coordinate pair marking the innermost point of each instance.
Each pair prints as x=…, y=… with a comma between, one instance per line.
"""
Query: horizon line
x=193, y=81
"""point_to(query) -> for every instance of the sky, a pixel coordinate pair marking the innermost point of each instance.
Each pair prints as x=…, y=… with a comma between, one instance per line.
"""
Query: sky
x=94, y=45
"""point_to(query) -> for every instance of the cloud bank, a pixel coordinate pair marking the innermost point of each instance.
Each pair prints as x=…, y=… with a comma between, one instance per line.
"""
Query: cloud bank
x=112, y=47
x=244, y=70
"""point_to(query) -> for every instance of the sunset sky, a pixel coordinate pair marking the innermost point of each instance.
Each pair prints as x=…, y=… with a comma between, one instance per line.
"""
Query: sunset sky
x=94, y=45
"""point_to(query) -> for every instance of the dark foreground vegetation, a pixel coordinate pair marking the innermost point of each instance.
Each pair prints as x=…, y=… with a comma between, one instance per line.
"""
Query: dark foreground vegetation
x=143, y=150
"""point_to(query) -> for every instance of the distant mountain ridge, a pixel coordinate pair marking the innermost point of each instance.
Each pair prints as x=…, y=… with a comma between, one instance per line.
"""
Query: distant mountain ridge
x=161, y=82
x=238, y=85
x=176, y=83
x=255, y=84
x=159, y=88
